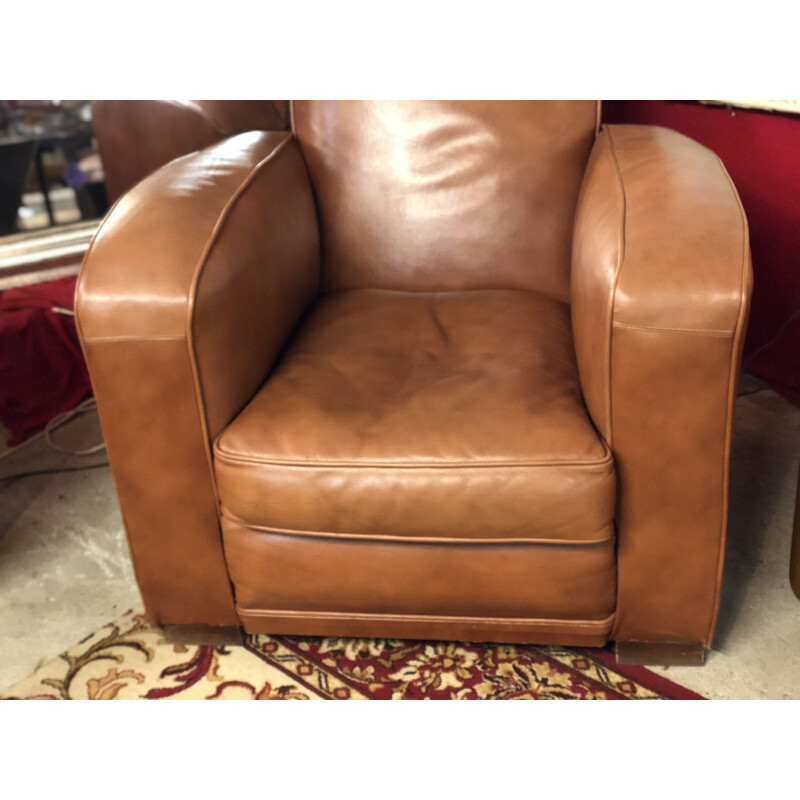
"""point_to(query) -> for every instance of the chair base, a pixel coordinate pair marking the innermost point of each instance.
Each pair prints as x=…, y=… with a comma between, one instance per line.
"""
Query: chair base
x=661, y=654
x=214, y=635
x=570, y=633
x=665, y=654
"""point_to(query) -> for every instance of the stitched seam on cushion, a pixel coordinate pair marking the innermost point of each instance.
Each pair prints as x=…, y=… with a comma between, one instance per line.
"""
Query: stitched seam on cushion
x=696, y=331
x=334, y=615
x=414, y=539
x=235, y=460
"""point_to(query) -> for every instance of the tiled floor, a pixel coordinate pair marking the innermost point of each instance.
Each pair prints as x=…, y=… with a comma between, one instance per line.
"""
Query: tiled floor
x=64, y=563
x=65, y=570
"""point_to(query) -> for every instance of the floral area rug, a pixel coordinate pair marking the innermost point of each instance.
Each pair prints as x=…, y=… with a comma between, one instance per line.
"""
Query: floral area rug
x=129, y=659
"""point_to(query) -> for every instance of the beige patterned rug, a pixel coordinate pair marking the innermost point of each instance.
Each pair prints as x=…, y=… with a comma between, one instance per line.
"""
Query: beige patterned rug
x=130, y=659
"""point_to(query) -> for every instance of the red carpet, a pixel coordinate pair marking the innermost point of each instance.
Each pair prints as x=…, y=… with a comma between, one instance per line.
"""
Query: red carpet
x=129, y=659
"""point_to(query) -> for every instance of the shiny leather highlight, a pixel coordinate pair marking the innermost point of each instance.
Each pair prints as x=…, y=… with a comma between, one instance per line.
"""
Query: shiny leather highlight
x=444, y=195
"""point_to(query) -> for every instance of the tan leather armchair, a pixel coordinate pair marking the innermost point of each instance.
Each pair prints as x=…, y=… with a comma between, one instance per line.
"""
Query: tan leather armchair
x=136, y=137
x=451, y=370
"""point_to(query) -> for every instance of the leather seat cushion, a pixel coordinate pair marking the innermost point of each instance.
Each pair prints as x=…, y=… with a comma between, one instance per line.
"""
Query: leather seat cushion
x=452, y=415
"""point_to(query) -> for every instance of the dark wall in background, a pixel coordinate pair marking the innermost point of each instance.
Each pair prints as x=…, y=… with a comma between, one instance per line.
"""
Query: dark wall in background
x=761, y=150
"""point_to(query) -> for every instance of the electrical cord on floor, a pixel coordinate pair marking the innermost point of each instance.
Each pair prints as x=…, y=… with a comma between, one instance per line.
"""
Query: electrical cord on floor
x=89, y=404
x=773, y=340
x=60, y=419
x=774, y=380
x=51, y=471
x=754, y=391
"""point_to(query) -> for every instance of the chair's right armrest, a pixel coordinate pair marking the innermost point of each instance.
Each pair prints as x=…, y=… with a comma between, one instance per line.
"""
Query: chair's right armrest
x=661, y=282
x=189, y=290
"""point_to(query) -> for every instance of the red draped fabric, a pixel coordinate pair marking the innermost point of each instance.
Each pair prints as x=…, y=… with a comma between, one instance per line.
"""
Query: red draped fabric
x=42, y=371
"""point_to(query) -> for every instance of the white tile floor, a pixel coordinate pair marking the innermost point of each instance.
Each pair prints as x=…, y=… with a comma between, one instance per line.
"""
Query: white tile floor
x=65, y=570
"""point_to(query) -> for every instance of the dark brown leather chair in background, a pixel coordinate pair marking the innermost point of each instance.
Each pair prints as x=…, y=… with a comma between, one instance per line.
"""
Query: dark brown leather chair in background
x=136, y=137
x=450, y=370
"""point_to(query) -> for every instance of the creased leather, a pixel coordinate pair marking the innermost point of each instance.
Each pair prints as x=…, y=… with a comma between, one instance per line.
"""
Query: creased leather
x=661, y=282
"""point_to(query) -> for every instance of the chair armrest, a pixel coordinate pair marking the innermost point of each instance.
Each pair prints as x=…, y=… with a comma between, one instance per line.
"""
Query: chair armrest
x=136, y=137
x=188, y=292
x=661, y=282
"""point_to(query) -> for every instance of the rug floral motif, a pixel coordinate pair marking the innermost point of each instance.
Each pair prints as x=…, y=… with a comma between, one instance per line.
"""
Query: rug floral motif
x=130, y=659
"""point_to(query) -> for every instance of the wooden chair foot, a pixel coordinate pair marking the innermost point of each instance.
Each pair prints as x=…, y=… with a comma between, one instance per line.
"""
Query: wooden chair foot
x=215, y=635
x=662, y=654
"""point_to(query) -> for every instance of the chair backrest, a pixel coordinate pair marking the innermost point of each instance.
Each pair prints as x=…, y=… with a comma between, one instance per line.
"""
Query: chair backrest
x=446, y=195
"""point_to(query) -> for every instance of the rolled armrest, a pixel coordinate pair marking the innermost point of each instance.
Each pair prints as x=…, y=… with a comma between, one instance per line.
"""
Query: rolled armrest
x=136, y=137
x=188, y=292
x=661, y=282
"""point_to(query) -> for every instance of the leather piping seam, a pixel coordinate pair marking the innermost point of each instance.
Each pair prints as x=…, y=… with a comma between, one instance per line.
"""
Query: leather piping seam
x=165, y=338
x=621, y=247
x=413, y=539
x=213, y=237
x=600, y=624
x=516, y=290
x=732, y=380
x=695, y=331
x=234, y=460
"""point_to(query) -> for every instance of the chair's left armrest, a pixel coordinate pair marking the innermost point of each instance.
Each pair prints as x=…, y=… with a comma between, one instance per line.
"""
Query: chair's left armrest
x=661, y=282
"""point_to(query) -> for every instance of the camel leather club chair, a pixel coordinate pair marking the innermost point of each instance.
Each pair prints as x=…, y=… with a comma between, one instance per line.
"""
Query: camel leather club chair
x=436, y=370
x=136, y=137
